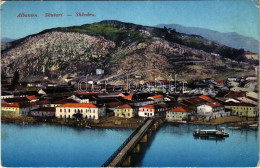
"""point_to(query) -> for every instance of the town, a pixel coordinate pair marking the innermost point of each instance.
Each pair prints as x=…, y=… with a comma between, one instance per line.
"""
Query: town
x=103, y=104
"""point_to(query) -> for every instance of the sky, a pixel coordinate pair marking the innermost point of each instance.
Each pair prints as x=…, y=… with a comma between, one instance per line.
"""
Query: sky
x=240, y=16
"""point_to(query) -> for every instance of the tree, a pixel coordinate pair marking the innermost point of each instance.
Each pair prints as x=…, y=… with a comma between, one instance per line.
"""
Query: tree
x=77, y=115
x=15, y=80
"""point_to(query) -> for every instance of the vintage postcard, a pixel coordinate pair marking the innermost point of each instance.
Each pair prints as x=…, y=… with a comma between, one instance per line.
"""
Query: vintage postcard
x=130, y=83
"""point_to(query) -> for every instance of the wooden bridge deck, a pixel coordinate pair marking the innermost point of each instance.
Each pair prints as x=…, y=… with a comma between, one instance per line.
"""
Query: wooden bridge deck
x=131, y=144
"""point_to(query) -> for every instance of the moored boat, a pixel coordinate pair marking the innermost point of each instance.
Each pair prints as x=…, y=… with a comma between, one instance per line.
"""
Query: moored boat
x=211, y=132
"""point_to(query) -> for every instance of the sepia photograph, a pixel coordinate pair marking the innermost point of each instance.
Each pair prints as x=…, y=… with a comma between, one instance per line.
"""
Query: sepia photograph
x=130, y=83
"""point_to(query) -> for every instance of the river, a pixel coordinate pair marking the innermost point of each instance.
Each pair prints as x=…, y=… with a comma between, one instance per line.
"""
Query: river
x=49, y=145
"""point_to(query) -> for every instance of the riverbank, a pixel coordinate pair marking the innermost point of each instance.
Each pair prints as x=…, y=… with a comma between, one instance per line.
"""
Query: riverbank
x=110, y=122
x=106, y=122
x=223, y=120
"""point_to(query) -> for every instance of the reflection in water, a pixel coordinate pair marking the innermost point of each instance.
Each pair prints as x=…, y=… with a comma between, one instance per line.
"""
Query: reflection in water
x=177, y=147
x=62, y=146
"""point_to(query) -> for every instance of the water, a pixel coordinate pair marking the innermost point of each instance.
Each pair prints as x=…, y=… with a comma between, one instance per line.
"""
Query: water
x=45, y=145
x=176, y=147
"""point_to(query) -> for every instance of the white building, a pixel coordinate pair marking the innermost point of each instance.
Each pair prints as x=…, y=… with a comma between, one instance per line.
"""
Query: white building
x=212, y=110
x=88, y=110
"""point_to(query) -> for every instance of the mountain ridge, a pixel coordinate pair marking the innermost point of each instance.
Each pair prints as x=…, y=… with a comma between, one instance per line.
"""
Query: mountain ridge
x=231, y=39
x=119, y=47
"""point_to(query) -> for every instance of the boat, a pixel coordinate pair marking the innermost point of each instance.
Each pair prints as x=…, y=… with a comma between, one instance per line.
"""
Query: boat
x=254, y=125
x=234, y=127
x=211, y=132
x=87, y=126
x=244, y=125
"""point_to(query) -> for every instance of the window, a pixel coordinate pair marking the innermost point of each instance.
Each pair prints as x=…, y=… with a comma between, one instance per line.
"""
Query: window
x=145, y=113
x=69, y=110
x=60, y=116
x=60, y=110
x=128, y=114
x=93, y=111
x=75, y=110
x=81, y=111
x=86, y=110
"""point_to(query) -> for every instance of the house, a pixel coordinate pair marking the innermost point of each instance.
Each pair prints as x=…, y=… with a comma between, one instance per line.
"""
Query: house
x=84, y=98
x=252, y=95
x=232, y=79
x=151, y=110
x=45, y=77
x=17, y=109
x=126, y=111
x=32, y=98
x=195, y=101
x=233, y=94
x=207, y=98
x=43, y=112
x=129, y=97
x=250, y=55
x=156, y=98
x=239, y=89
x=68, y=79
x=242, y=109
x=88, y=110
x=251, y=77
x=248, y=100
x=5, y=95
x=181, y=113
x=212, y=110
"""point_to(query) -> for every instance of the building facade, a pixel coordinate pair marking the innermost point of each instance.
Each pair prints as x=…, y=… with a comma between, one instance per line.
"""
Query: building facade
x=126, y=111
x=88, y=110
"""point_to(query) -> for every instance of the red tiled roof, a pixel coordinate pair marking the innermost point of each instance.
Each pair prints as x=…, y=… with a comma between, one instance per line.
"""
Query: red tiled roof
x=129, y=97
x=251, y=75
x=235, y=94
x=220, y=81
x=10, y=105
x=206, y=98
x=32, y=97
x=178, y=109
x=151, y=106
x=214, y=104
x=249, y=53
x=124, y=106
x=196, y=100
x=85, y=105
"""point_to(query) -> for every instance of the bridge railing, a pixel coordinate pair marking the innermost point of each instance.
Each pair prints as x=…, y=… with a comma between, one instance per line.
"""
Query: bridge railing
x=112, y=157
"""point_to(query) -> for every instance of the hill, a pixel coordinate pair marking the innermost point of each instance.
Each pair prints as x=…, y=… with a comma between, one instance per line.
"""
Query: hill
x=119, y=47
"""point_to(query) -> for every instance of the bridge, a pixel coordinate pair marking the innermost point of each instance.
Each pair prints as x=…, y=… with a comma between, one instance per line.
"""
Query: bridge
x=121, y=156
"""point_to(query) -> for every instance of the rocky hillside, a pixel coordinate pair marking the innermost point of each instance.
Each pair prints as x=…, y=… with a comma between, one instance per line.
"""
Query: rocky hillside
x=119, y=48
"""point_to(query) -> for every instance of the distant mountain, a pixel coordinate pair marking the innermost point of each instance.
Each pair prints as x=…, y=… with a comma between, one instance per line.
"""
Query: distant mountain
x=232, y=39
x=7, y=40
x=120, y=48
